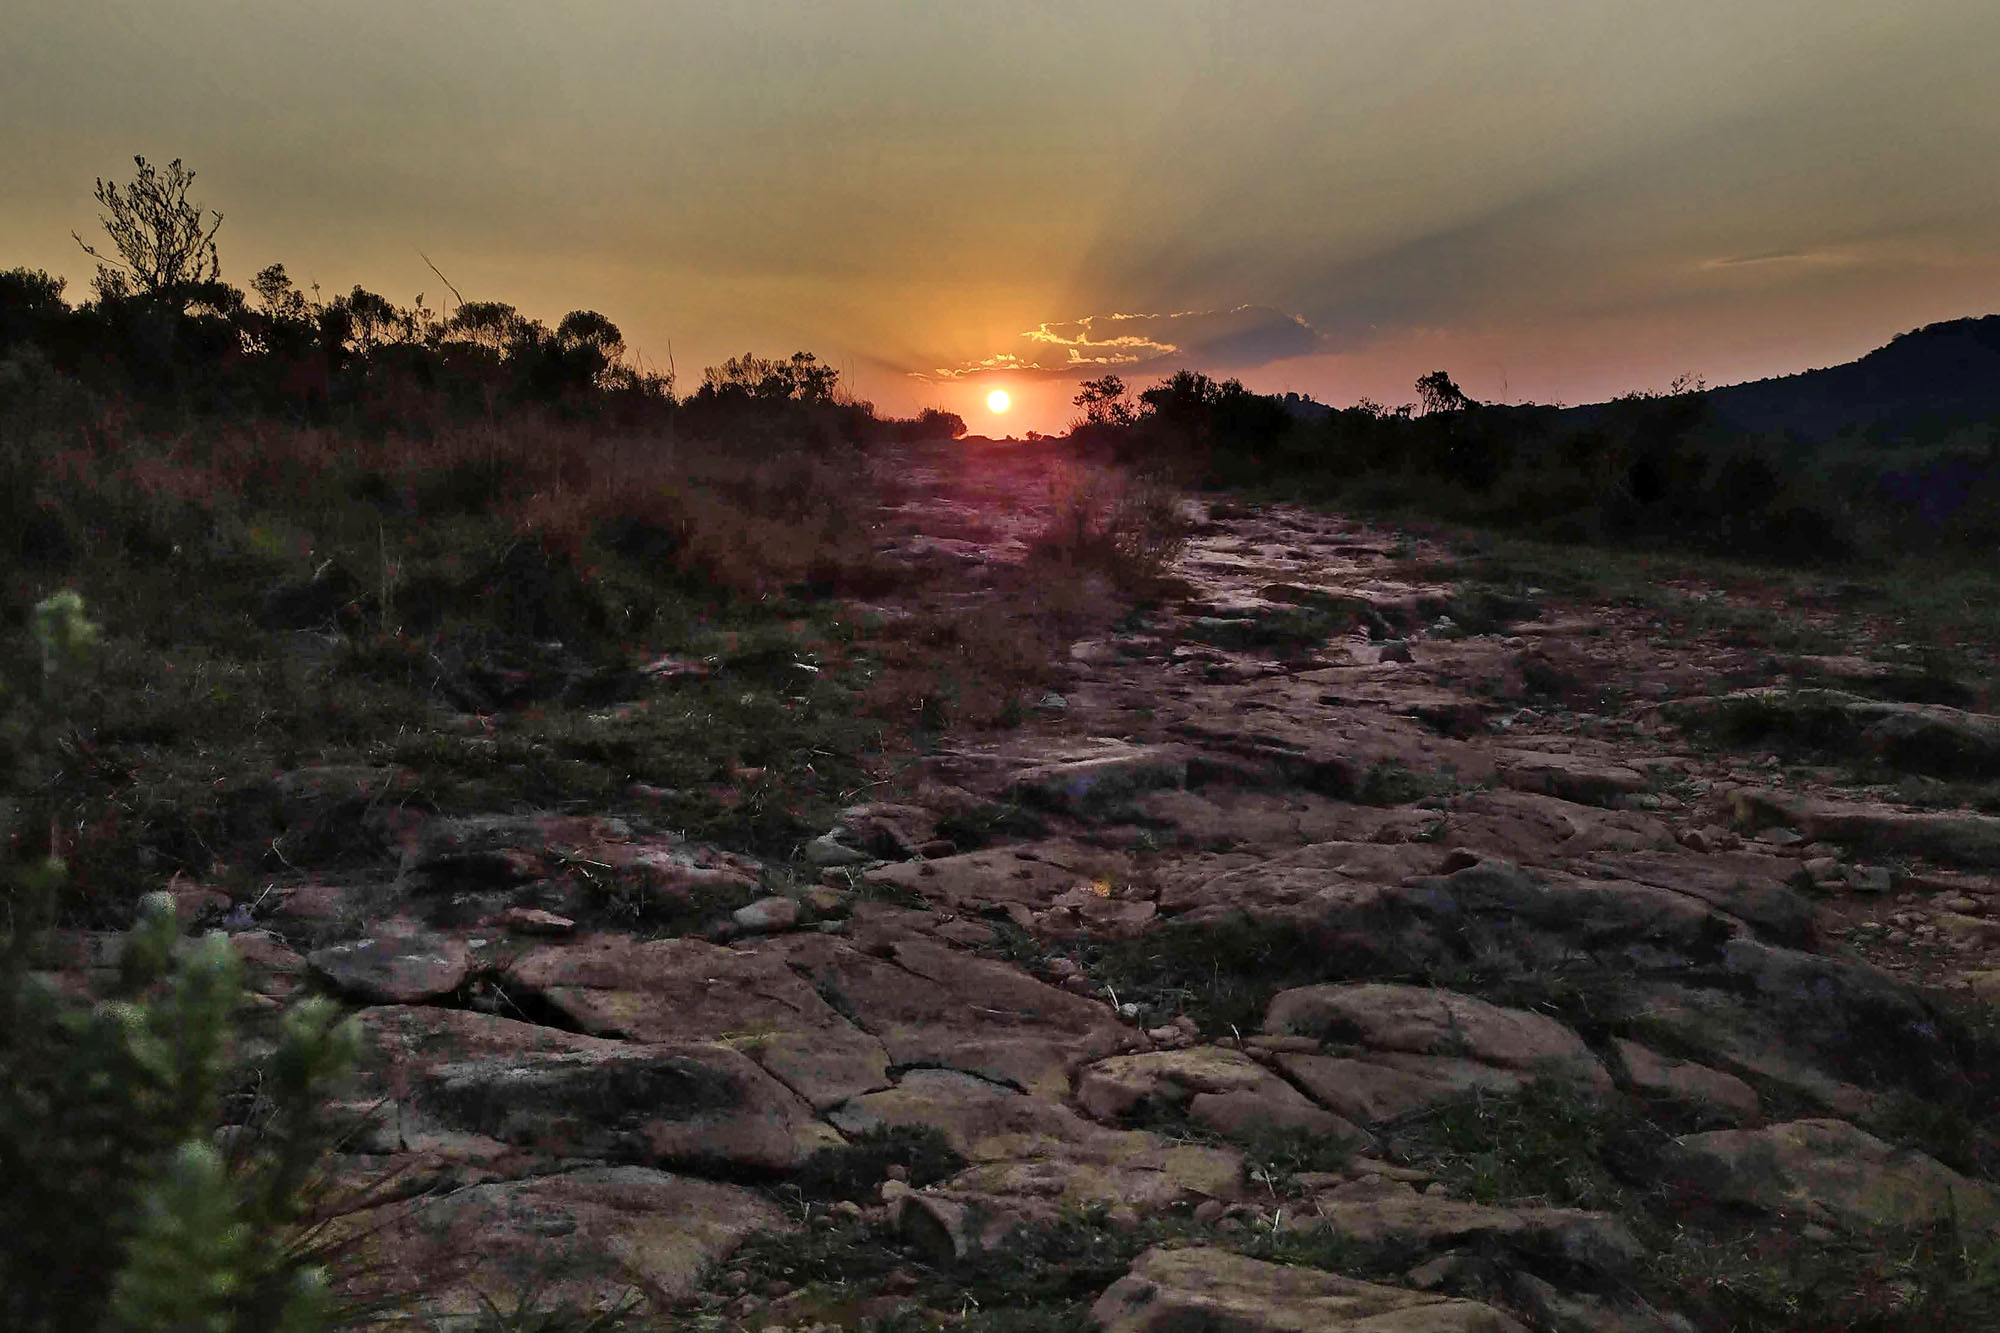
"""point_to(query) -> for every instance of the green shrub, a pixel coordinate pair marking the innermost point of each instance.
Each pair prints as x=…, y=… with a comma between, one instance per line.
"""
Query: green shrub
x=121, y=1211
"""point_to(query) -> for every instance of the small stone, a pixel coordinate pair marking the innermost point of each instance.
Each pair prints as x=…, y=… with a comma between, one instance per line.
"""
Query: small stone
x=1435, y=1273
x=1209, y=1211
x=1781, y=837
x=1163, y=1035
x=825, y=851
x=1060, y=968
x=826, y=902
x=1457, y=859
x=1823, y=869
x=1695, y=840
x=1396, y=650
x=1869, y=879
x=846, y=1208
x=534, y=921
x=766, y=915
x=893, y=1190
x=896, y=1171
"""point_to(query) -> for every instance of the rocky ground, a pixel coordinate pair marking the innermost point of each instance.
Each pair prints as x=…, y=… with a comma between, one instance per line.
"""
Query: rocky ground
x=1340, y=943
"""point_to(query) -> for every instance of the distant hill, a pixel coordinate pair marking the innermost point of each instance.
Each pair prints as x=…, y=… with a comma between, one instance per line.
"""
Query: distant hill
x=1922, y=383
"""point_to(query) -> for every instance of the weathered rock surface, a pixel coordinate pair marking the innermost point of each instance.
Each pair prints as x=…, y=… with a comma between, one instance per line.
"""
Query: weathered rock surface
x=1435, y=1023
x=406, y=967
x=1312, y=778
x=701, y=1106
x=591, y=1238
x=1172, y=1290
x=1955, y=839
x=1223, y=1089
x=1828, y=1171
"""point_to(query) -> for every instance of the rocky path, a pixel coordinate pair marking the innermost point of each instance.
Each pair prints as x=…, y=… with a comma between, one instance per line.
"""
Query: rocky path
x=1294, y=869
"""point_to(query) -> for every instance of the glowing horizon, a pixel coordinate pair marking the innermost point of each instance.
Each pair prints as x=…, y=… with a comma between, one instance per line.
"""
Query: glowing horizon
x=1334, y=199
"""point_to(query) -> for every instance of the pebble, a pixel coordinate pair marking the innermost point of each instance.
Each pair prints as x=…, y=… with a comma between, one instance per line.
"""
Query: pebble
x=1869, y=879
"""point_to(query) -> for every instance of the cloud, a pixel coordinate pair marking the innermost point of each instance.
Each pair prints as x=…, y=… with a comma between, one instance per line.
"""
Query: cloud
x=1809, y=257
x=1243, y=336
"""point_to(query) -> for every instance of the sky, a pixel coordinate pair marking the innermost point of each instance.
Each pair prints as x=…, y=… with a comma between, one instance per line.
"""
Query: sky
x=1555, y=201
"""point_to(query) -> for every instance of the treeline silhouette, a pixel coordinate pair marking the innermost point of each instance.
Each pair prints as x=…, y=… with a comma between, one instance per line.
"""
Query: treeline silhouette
x=164, y=338
x=1892, y=455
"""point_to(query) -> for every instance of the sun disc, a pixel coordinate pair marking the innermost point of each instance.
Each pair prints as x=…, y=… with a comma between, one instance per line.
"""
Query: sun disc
x=998, y=401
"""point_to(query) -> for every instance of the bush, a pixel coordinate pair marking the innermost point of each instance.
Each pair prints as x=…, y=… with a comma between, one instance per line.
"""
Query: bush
x=121, y=1212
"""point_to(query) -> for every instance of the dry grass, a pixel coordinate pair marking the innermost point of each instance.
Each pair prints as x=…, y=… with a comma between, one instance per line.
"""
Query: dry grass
x=1129, y=528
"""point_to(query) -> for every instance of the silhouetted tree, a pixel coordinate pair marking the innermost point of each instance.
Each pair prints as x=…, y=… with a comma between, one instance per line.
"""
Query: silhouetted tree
x=933, y=422
x=164, y=244
x=1104, y=402
x=1439, y=394
x=801, y=379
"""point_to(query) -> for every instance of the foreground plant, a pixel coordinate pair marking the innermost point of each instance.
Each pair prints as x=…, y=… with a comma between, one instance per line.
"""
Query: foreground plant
x=121, y=1212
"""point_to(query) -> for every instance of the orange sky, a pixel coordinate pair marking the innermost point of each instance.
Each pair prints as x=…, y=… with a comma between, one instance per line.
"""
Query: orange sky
x=1555, y=201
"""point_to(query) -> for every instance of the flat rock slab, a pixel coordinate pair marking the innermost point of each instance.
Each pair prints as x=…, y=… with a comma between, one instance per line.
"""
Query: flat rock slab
x=1582, y=1239
x=1751, y=886
x=1571, y=777
x=1033, y=875
x=400, y=1042
x=1536, y=829
x=405, y=968
x=1178, y=1291
x=1390, y=1085
x=702, y=1106
x=932, y=1005
x=588, y=1238
x=1831, y=1172
x=1920, y=738
x=1223, y=1089
x=1953, y=838
x=1430, y=1022
x=1032, y=1146
x=690, y=990
x=1101, y=779
x=1329, y=877
x=1722, y=1095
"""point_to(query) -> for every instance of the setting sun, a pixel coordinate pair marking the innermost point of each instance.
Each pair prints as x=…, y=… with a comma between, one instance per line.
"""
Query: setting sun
x=998, y=401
